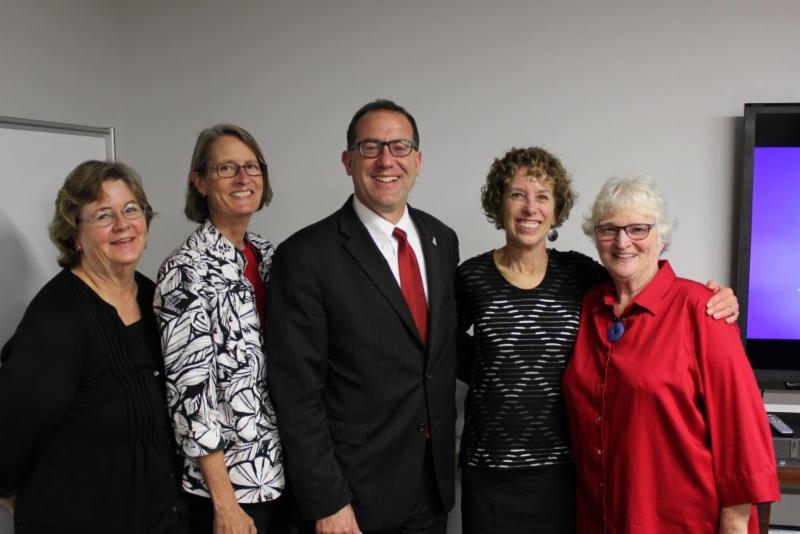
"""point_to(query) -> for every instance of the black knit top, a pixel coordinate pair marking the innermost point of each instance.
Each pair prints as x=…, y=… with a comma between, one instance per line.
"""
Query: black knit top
x=515, y=414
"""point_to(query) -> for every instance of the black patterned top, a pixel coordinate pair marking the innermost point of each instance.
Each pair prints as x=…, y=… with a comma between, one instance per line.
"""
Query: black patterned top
x=514, y=412
x=214, y=362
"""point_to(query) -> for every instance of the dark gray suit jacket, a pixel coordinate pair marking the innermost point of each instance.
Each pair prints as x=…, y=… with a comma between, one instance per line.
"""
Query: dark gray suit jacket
x=352, y=383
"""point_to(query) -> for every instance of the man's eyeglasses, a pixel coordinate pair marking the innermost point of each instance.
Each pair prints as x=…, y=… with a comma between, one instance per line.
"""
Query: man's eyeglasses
x=229, y=169
x=107, y=216
x=372, y=148
x=609, y=232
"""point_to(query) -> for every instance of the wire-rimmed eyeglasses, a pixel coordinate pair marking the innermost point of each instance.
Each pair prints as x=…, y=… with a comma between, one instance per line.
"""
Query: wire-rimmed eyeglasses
x=372, y=148
x=108, y=216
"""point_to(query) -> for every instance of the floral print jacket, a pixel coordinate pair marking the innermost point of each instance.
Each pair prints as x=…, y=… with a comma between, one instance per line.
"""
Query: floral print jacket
x=215, y=365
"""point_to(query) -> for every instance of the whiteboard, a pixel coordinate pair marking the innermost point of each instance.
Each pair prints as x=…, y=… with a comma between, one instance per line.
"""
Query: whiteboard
x=35, y=158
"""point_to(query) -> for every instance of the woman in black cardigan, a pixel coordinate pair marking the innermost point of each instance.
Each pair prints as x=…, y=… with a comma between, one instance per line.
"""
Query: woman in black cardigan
x=85, y=444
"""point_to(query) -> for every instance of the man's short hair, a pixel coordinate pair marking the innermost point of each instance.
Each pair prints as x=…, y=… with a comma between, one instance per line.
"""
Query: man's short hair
x=379, y=105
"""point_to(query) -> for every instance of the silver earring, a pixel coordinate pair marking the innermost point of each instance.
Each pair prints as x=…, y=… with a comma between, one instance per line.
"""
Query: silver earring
x=78, y=246
x=552, y=235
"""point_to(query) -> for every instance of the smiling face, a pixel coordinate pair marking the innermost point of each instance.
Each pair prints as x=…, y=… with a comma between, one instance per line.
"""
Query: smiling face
x=631, y=263
x=383, y=183
x=528, y=210
x=118, y=245
x=231, y=201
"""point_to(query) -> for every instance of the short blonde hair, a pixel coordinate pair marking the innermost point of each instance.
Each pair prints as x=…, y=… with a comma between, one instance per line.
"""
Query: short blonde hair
x=638, y=193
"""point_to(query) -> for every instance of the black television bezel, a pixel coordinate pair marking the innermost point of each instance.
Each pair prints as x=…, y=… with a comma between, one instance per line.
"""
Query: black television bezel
x=771, y=359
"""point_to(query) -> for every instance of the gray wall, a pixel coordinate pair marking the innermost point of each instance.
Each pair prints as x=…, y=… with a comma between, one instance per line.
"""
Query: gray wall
x=60, y=61
x=626, y=86
x=612, y=87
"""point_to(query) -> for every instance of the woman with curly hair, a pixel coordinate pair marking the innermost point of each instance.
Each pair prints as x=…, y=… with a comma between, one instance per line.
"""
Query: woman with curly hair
x=523, y=303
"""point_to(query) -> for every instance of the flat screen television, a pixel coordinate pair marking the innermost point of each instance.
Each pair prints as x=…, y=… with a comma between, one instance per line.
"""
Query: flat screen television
x=769, y=243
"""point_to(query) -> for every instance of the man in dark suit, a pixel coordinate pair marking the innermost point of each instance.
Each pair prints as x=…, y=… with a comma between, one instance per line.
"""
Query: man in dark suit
x=360, y=344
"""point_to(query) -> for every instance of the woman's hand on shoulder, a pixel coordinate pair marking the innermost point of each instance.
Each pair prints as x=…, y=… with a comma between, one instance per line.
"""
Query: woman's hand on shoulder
x=723, y=304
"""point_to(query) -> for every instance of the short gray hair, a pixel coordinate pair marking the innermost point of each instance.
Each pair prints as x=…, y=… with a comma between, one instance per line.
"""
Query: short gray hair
x=638, y=193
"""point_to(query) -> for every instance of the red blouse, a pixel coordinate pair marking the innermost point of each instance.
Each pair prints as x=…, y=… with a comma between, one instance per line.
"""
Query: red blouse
x=251, y=273
x=667, y=423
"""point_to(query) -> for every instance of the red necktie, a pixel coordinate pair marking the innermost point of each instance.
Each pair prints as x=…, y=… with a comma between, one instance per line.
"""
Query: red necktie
x=411, y=283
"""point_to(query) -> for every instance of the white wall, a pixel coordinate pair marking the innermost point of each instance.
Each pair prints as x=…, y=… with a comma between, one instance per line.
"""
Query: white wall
x=611, y=87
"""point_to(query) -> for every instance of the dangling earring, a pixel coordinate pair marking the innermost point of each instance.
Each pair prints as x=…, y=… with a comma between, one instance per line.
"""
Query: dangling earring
x=552, y=235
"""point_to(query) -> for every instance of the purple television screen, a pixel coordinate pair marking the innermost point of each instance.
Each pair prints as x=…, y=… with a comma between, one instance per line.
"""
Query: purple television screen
x=773, y=310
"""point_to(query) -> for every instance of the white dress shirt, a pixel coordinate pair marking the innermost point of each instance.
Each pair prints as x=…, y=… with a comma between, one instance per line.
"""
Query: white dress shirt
x=381, y=232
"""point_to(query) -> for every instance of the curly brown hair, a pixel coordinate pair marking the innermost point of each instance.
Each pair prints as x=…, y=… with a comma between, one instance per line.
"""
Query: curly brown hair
x=540, y=163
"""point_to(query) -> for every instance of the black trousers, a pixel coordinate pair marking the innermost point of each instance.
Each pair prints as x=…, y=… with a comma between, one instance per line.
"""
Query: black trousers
x=273, y=517
x=427, y=516
x=538, y=500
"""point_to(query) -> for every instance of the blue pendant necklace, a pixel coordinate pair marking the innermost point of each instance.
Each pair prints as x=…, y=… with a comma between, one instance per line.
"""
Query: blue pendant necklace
x=616, y=329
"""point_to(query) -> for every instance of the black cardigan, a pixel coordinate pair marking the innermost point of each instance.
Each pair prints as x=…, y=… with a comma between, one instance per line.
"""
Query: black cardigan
x=85, y=443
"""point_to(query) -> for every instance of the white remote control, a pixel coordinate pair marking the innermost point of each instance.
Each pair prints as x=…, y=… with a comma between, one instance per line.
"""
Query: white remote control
x=779, y=425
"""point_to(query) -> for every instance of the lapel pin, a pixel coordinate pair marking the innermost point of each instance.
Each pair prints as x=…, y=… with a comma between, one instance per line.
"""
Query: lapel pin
x=433, y=240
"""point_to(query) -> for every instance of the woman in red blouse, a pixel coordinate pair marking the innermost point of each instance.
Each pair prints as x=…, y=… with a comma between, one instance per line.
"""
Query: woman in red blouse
x=668, y=428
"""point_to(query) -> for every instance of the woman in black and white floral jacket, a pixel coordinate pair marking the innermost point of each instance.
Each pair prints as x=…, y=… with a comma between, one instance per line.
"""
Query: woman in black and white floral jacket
x=210, y=307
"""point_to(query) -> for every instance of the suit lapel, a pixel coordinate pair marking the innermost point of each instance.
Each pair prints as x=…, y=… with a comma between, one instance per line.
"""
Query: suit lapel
x=365, y=252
